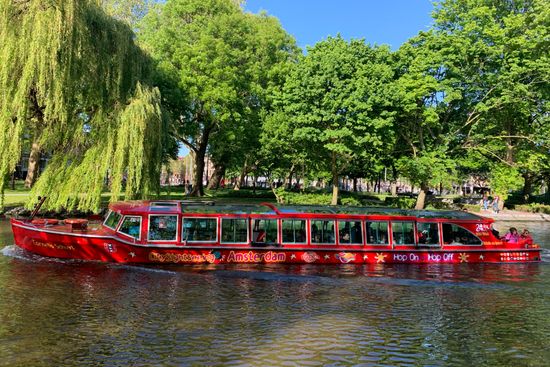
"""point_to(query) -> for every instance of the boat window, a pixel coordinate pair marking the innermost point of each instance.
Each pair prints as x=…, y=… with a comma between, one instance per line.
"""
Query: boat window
x=264, y=231
x=164, y=204
x=457, y=235
x=112, y=220
x=294, y=231
x=377, y=233
x=403, y=233
x=200, y=230
x=350, y=233
x=428, y=233
x=322, y=232
x=234, y=230
x=131, y=226
x=163, y=227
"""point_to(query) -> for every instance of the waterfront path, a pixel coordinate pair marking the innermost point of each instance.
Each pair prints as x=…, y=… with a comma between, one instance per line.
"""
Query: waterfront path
x=513, y=216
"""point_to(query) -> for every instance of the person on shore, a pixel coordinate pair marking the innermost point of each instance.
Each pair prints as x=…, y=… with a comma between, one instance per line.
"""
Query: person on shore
x=485, y=202
x=512, y=236
x=496, y=203
x=526, y=237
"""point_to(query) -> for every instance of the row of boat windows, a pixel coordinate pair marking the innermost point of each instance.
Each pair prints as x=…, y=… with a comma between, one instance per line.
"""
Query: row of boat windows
x=293, y=231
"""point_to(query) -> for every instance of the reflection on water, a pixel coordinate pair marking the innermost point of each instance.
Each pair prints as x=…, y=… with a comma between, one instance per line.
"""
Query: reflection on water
x=59, y=313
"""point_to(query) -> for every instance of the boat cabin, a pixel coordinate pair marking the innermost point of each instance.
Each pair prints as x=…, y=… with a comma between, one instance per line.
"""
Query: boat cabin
x=205, y=224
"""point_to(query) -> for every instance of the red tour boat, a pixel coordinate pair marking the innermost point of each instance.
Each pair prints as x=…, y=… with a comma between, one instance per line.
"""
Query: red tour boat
x=187, y=232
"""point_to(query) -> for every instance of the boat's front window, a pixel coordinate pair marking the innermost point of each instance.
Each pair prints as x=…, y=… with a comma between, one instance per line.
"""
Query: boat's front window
x=163, y=227
x=377, y=233
x=200, y=230
x=403, y=233
x=457, y=235
x=264, y=231
x=294, y=231
x=234, y=230
x=428, y=233
x=112, y=220
x=131, y=226
x=322, y=232
x=350, y=233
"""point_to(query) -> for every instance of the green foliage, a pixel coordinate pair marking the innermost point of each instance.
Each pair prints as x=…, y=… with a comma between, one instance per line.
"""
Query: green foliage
x=400, y=202
x=533, y=208
x=69, y=76
x=217, y=69
x=504, y=179
x=333, y=107
x=429, y=167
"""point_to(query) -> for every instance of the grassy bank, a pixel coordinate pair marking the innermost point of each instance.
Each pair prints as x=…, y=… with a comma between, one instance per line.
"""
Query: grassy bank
x=19, y=196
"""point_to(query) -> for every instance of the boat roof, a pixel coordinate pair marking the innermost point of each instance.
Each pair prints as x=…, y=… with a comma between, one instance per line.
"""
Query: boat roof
x=210, y=207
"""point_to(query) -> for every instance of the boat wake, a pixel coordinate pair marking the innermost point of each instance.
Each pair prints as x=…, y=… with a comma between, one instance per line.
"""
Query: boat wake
x=20, y=254
x=545, y=255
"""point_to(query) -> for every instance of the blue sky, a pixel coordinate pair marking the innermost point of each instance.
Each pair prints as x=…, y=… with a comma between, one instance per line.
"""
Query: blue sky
x=389, y=22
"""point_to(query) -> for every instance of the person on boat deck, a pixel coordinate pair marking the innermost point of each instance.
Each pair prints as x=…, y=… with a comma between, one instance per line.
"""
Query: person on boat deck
x=526, y=237
x=512, y=236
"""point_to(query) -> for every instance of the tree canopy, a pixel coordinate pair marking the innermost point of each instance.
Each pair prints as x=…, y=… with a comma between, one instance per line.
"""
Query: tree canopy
x=218, y=65
x=73, y=77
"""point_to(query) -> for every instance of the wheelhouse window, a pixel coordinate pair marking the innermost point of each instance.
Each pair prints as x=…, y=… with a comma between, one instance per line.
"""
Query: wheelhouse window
x=428, y=234
x=112, y=220
x=163, y=227
x=377, y=233
x=234, y=230
x=199, y=230
x=323, y=232
x=457, y=235
x=131, y=226
x=350, y=232
x=294, y=230
x=264, y=231
x=403, y=233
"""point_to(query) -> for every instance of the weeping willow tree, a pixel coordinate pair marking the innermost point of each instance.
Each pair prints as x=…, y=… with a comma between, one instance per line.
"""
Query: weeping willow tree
x=72, y=78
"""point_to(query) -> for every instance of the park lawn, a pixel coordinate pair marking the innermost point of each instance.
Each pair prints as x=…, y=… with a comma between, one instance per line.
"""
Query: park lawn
x=17, y=197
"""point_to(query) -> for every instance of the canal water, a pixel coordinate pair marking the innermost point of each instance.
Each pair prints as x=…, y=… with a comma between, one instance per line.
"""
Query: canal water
x=69, y=313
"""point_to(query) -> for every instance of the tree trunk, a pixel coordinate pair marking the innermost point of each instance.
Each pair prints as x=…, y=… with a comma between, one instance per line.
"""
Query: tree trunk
x=217, y=175
x=13, y=180
x=393, y=188
x=527, y=187
x=289, y=179
x=393, y=181
x=242, y=177
x=198, y=189
x=335, y=187
x=354, y=184
x=33, y=166
x=421, y=199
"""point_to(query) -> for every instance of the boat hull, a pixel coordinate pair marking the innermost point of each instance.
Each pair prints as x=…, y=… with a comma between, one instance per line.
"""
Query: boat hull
x=86, y=246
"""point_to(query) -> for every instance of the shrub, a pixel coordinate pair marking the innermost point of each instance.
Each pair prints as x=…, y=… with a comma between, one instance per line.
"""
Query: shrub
x=400, y=202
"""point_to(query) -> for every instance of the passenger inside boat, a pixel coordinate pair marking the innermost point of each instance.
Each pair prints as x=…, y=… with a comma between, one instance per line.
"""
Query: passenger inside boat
x=456, y=235
x=428, y=234
x=131, y=226
x=264, y=231
x=377, y=233
x=163, y=227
